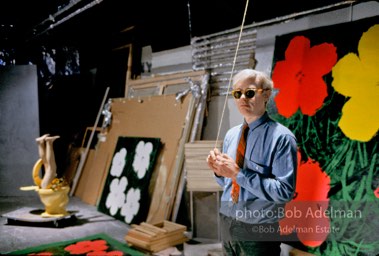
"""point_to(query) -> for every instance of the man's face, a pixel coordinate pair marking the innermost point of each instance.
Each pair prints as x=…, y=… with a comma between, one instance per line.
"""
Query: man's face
x=254, y=106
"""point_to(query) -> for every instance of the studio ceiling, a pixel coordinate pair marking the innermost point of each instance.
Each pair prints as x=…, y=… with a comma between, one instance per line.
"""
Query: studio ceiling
x=163, y=24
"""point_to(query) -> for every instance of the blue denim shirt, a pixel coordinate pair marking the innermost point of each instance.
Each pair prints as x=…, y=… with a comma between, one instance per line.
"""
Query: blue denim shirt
x=268, y=177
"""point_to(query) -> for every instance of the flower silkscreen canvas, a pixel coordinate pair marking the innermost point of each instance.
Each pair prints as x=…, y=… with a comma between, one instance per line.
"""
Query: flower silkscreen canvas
x=326, y=91
x=125, y=194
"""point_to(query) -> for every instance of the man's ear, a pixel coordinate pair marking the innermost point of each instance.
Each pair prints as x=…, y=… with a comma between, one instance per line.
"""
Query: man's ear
x=266, y=96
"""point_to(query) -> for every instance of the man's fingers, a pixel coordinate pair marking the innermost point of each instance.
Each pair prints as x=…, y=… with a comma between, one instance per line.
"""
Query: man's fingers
x=212, y=154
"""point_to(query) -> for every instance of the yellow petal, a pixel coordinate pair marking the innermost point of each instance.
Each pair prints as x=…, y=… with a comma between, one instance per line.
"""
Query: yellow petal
x=368, y=48
x=358, y=78
x=353, y=74
x=347, y=74
x=360, y=119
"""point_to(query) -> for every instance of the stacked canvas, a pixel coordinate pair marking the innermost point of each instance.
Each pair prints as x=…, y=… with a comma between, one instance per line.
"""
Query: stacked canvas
x=157, y=237
x=199, y=176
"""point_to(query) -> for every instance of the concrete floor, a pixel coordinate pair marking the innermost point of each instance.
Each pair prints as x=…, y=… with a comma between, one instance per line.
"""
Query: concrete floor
x=88, y=221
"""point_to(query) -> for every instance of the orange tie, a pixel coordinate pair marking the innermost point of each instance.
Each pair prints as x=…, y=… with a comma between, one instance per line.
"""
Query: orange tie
x=240, y=156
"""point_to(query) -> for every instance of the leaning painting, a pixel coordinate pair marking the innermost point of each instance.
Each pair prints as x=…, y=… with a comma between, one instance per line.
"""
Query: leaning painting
x=97, y=244
x=326, y=91
x=125, y=193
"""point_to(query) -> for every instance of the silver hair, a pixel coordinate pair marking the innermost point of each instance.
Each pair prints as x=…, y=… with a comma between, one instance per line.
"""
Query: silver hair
x=261, y=79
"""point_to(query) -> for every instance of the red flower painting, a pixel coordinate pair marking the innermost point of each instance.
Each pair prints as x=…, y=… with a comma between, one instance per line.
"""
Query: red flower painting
x=306, y=215
x=376, y=192
x=87, y=246
x=104, y=253
x=299, y=78
x=41, y=254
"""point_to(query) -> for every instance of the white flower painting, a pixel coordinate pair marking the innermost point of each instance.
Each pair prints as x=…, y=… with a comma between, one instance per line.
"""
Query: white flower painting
x=118, y=162
x=126, y=187
x=132, y=204
x=116, y=197
x=142, y=158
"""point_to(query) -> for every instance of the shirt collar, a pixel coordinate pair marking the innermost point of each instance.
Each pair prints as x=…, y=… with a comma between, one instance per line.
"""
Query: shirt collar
x=263, y=119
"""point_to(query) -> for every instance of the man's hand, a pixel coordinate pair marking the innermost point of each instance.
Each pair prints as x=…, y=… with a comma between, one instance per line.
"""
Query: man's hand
x=222, y=164
x=212, y=158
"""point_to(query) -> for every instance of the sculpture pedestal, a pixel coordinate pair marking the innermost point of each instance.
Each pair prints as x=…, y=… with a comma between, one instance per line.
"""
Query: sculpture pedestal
x=28, y=216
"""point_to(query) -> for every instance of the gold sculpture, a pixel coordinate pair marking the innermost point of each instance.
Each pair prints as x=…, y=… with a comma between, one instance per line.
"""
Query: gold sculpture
x=53, y=191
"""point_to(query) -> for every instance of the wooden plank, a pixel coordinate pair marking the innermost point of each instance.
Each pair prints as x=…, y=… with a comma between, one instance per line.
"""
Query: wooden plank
x=157, y=246
x=152, y=227
x=145, y=231
x=199, y=177
x=174, y=177
x=164, y=78
x=173, y=235
x=83, y=157
x=161, y=82
x=139, y=235
x=137, y=242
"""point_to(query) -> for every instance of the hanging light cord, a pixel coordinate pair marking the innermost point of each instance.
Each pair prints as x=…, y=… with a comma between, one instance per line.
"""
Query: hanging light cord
x=232, y=72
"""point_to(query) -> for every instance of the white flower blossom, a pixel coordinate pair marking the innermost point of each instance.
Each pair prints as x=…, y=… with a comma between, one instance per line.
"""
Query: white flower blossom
x=132, y=205
x=118, y=162
x=142, y=158
x=116, y=197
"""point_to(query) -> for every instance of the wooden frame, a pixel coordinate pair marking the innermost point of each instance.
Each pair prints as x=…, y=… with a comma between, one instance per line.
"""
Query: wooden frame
x=161, y=84
x=130, y=60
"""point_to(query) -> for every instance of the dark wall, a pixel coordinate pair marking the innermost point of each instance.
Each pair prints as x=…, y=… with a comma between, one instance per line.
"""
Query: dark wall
x=19, y=127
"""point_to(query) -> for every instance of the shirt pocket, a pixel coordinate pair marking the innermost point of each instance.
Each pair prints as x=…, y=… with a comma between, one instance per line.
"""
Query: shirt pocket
x=259, y=168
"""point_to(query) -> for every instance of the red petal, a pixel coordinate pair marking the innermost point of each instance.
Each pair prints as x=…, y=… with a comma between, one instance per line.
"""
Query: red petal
x=315, y=230
x=297, y=49
x=312, y=183
x=286, y=100
x=313, y=94
x=320, y=60
x=376, y=192
x=299, y=77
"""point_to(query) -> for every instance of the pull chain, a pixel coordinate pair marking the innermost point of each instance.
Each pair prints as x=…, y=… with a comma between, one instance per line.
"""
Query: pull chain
x=231, y=74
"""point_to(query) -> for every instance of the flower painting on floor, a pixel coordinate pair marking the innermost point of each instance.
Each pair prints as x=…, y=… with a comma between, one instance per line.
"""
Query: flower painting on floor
x=125, y=194
x=93, y=245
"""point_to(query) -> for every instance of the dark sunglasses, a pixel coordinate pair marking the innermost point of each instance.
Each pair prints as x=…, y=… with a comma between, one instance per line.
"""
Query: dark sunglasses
x=249, y=93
